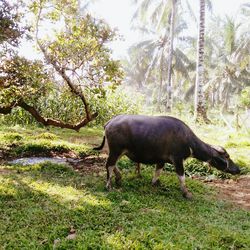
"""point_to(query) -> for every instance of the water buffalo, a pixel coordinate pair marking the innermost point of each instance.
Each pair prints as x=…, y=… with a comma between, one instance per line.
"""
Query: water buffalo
x=158, y=140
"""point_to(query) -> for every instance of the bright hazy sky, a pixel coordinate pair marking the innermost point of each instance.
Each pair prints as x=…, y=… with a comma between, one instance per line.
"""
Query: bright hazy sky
x=118, y=14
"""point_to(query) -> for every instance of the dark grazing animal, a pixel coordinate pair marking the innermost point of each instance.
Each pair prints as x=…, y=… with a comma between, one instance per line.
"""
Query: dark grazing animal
x=158, y=140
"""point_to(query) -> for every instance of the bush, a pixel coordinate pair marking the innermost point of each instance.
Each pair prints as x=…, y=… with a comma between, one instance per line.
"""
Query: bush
x=115, y=103
x=66, y=107
x=245, y=97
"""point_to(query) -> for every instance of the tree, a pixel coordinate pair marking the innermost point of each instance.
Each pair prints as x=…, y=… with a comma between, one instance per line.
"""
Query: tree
x=162, y=10
x=165, y=25
x=229, y=48
x=75, y=51
x=199, y=99
x=170, y=56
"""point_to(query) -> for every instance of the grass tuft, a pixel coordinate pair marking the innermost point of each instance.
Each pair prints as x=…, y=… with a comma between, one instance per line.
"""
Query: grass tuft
x=11, y=137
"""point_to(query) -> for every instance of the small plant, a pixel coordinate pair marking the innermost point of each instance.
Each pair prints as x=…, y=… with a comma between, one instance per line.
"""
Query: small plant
x=13, y=137
x=245, y=97
x=53, y=168
x=47, y=135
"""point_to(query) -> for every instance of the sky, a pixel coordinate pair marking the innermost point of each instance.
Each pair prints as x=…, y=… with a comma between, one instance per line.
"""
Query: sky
x=118, y=14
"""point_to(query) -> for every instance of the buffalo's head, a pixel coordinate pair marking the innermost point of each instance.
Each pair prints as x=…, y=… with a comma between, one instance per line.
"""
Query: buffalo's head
x=221, y=160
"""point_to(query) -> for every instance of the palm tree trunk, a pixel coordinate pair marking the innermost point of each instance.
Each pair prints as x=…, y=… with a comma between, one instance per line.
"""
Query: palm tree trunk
x=160, y=87
x=170, y=58
x=200, y=111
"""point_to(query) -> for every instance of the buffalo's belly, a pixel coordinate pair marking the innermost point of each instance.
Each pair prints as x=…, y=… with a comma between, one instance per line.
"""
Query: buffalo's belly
x=147, y=157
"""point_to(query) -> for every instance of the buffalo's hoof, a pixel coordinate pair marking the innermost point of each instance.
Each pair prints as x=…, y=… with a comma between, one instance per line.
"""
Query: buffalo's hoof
x=188, y=195
x=156, y=183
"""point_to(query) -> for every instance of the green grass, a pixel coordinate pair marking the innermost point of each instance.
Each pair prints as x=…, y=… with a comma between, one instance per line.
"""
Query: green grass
x=40, y=204
x=17, y=141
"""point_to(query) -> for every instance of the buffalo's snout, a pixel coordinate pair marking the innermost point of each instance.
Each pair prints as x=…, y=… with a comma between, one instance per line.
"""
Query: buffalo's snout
x=233, y=168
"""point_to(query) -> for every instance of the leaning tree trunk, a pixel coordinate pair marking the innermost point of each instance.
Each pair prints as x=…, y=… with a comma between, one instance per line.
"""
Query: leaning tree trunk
x=170, y=58
x=200, y=110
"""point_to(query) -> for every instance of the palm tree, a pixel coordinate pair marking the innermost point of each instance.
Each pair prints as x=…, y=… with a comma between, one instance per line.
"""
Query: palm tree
x=162, y=15
x=170, y=56
x=152, y=55
x=199, y=99
x=229, y=70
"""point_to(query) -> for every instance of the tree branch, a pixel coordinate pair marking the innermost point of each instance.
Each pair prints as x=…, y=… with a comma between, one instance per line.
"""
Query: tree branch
x=61, y=70
x=46, y=121
x=7, y=110
x=53, y=122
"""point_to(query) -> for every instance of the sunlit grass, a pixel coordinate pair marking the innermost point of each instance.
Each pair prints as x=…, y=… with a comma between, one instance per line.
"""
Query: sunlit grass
x=40, y=205
x=17, y=141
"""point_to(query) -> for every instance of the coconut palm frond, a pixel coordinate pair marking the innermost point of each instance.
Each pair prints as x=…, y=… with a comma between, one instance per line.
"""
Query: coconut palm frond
x=241, y=51
x=191, y=12
x=145, y=4
x=245, y=9
x=209, y=5
x=163, y=17
x=157, y=13
x=143, y=29
x=178, y=53
x=143, y=11
x=142, y=44
x=180, y=66
x=180, y=27
x=152, y=65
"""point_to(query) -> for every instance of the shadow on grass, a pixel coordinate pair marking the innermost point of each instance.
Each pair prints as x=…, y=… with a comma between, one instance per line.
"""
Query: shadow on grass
x=39, y=206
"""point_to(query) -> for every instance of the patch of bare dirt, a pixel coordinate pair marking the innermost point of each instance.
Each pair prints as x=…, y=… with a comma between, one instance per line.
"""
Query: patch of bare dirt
x=4, y=171
x=90, y=164
x=236, y=191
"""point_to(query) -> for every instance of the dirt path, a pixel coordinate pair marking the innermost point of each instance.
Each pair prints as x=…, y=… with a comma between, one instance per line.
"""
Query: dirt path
x=90, y=164
x=236, y=191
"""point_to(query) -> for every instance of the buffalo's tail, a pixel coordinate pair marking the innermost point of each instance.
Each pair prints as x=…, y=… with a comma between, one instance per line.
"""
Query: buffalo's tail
x=102, y=145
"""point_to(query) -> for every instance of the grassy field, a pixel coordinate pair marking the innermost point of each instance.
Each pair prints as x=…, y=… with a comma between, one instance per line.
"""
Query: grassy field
x=50, y=206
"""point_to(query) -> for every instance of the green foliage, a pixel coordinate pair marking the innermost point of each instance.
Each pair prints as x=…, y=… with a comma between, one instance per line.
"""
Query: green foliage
x=245, y=97
x=22, y=79
x=116, y=102
x=67, y=107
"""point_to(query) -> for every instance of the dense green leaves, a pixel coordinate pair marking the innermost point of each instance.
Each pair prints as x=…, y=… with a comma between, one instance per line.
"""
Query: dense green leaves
x=245, y=97
x=22, y=79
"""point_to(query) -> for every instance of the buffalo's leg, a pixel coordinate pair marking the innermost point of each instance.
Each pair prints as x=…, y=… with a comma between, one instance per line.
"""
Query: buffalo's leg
x=118, y=176
x=181, y=176
x=158, y=170
x=110, y=167
x=138, y=170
